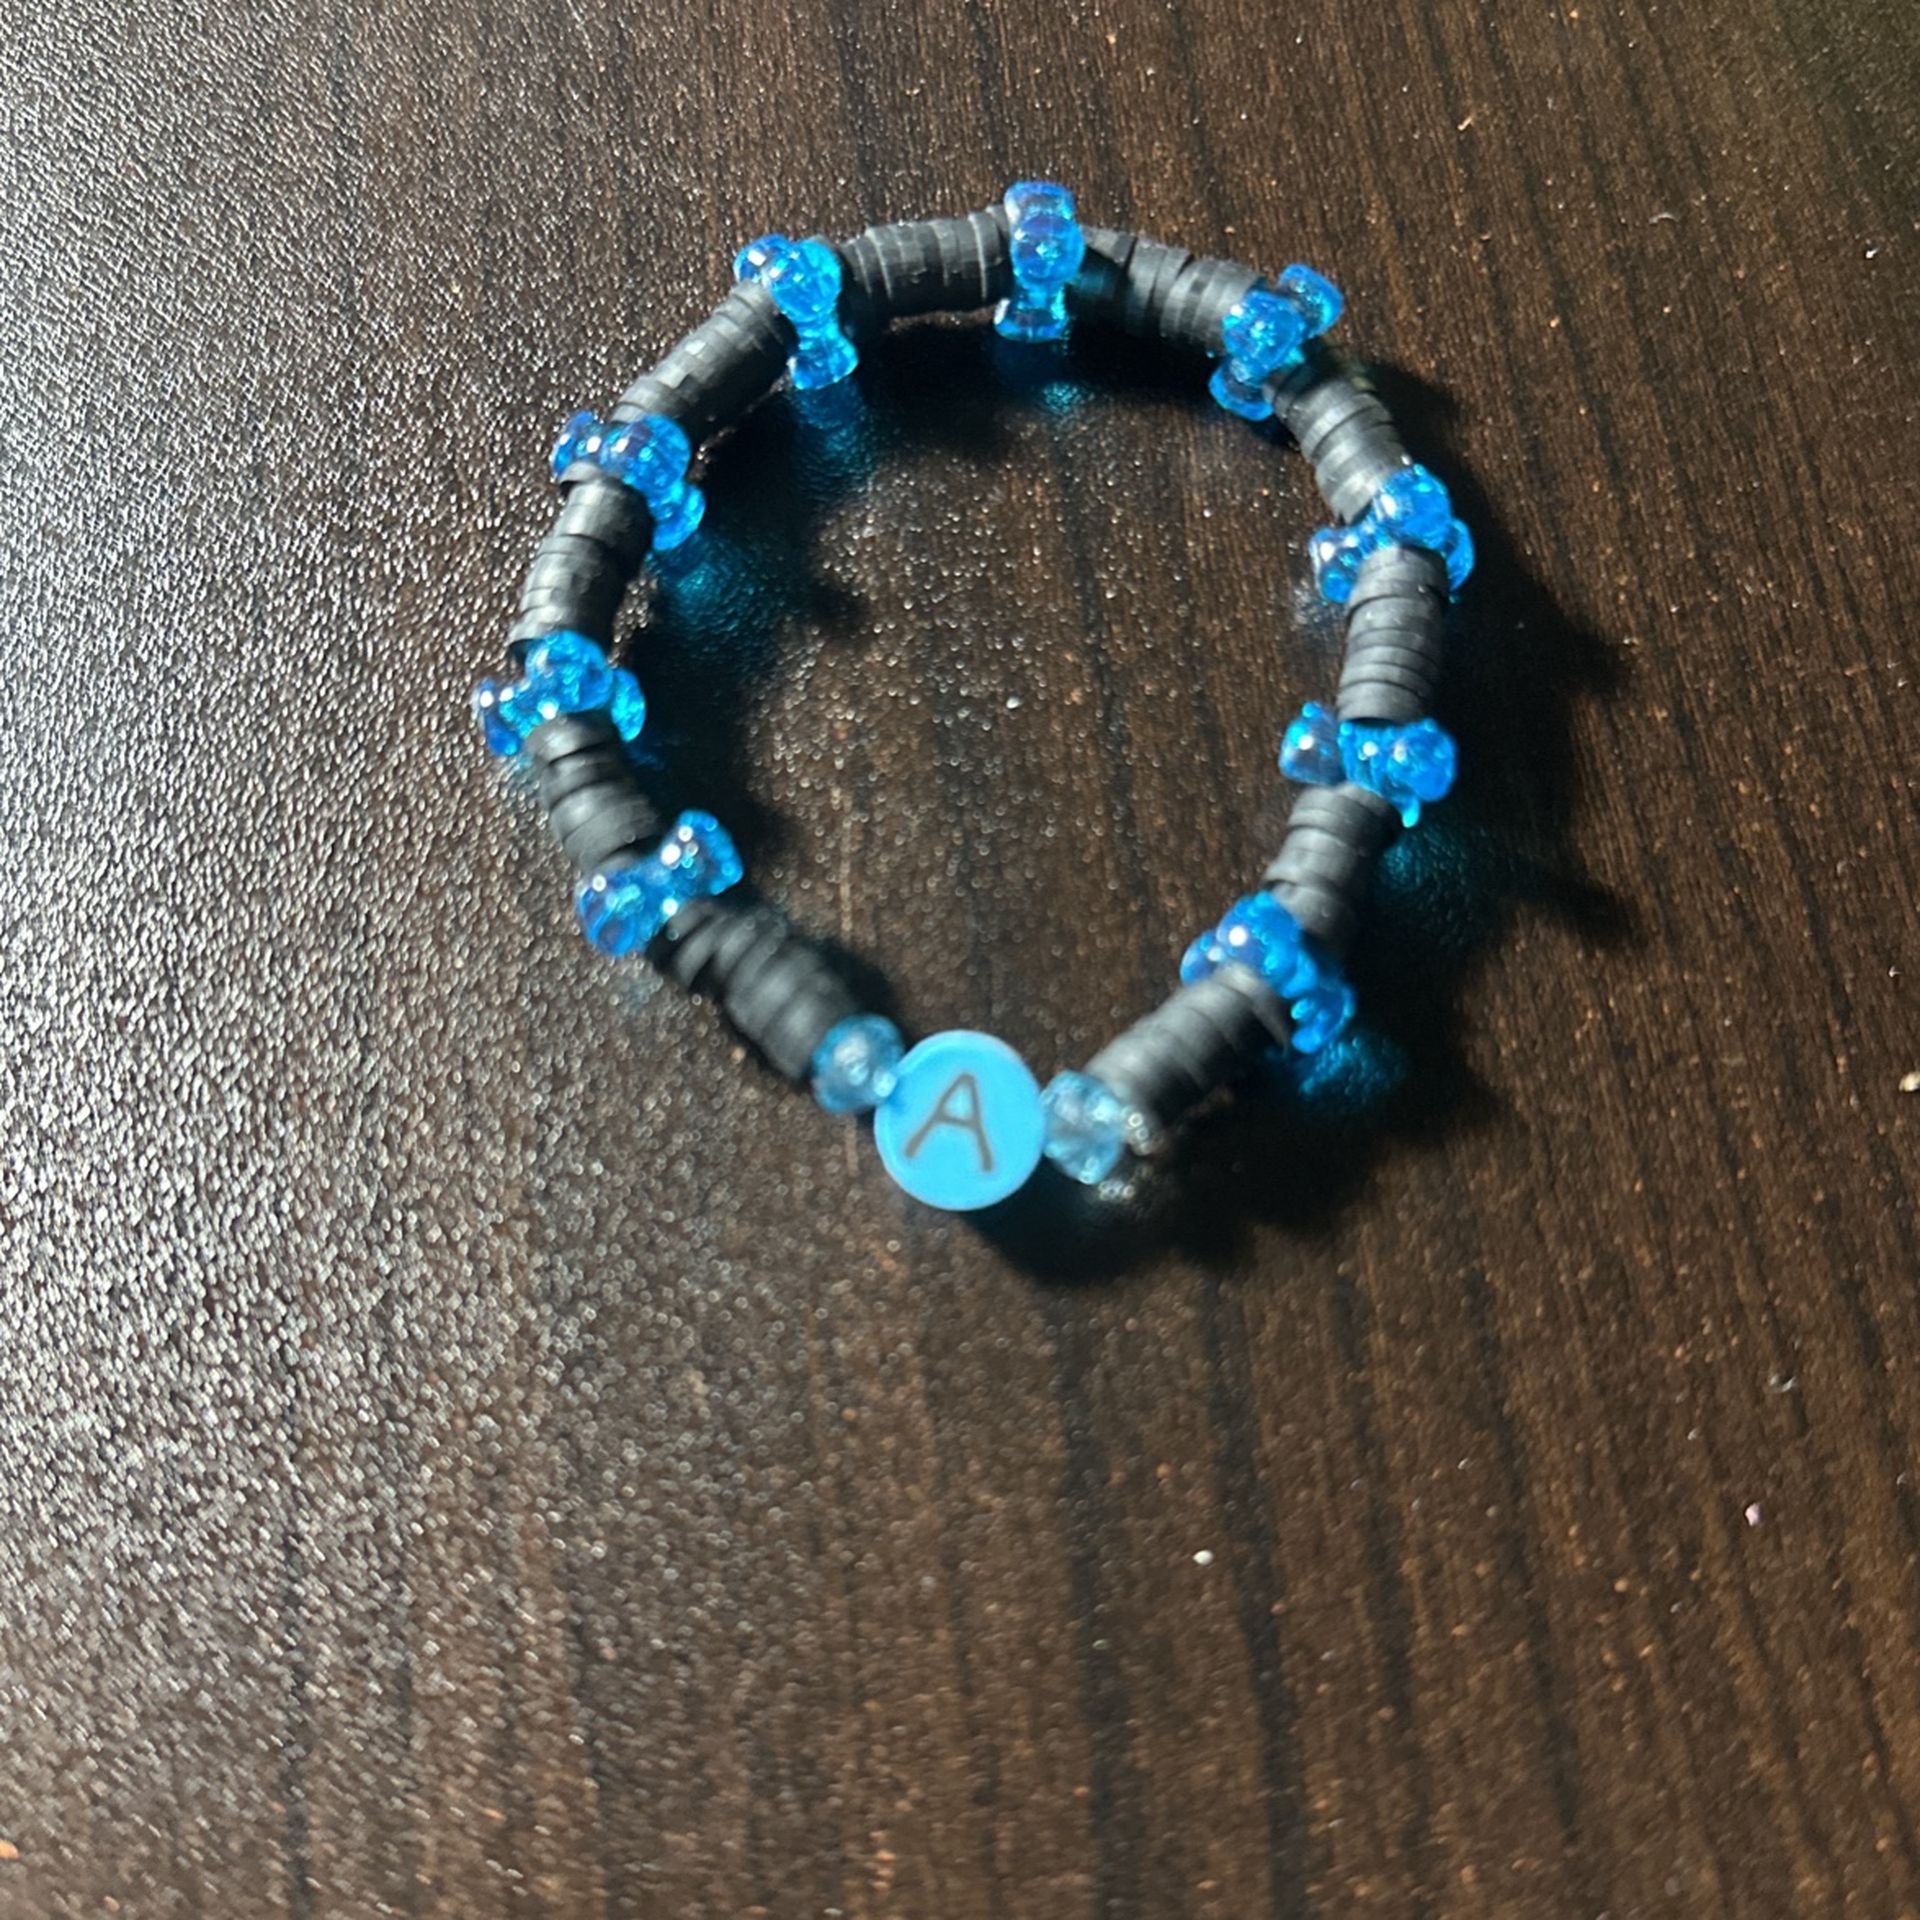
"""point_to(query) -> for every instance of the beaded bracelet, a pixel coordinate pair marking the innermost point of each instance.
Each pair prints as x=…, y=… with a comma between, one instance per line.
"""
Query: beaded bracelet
x=959, y=1120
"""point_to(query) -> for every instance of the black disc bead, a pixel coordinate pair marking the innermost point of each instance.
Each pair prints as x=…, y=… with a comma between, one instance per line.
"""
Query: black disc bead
x=709, y=379
x=1321, y=872
x=910, y=267
x=778, y=991
x=1198, y=1039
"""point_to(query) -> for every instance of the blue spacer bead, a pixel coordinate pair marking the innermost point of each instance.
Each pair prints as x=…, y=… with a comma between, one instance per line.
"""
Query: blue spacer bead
x=1336, y=553
x=1321, y=1014
x=804, y=278
x=1412, y=508
x=698, y=857
x=1260, y=334
x=1456, y=549
x=627, y=705
x=580, y=439
x=1314, y=297
x=622, y=908
x=1410, y=765
x=1310, y=748
x=854, y=1068
x=1045, y=247
x=567, y=673
x=496, y=728
x=651, y=455
x=1088, y=1126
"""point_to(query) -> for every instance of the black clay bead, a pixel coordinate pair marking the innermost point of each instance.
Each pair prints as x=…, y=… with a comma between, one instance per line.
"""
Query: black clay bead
x=594, y=507
x=709, y=379
x=910, y=267
x=1321, y=872
x=1198, y=1039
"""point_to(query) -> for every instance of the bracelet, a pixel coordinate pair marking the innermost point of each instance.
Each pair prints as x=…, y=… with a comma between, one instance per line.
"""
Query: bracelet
x=959, y=1120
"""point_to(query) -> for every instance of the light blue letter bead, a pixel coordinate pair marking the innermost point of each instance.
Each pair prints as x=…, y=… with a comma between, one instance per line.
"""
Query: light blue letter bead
x=962, y=1127
x=1087, y=1126
x=854, y=1068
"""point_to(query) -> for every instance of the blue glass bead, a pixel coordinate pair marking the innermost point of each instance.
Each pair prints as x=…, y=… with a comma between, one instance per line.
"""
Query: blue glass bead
x=1313, y=296
x=1259, y=336
x=651, y=455
x=1310, y=748
x=1204, y=956
x=496, y=728
x=627, y=705
x=1412, y=508
x=854, y=1068
x=1045, y=246
x=1336, y=553
x=1321, y=1014
x=1259, y=933
x=1456, y=549
x=803, y=276
x=698, y=857
x=567, y=673
x=580, y=439
x=1088, y=1126
x=1407, y=765
x=963, y=1126
x=621, y=909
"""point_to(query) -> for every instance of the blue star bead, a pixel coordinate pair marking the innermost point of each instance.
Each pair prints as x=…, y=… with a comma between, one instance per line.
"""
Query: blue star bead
x=1259, y=335
x=627, y=705
x=651, y=455
x=963, y=1127
x=1088, y=1127
x=854, y=1068
x=622, y=908
x=1258, y=933
x=1310, y=748
x=1046, y=247
x=566, y=673
x=580, y=440
x=490, y=712
x=1410, y=766
x=1336, y=553
x=1316, y=299
x=698, y=857
x=1410, y=508
x=1264, y=333
x=1321, y=1014
x=803, y=276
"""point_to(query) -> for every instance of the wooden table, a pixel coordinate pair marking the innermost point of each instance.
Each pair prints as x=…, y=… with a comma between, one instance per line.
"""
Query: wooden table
x=472, y=1444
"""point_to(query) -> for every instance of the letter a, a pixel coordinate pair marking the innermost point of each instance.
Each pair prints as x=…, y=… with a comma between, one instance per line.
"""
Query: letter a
x=949, y=1113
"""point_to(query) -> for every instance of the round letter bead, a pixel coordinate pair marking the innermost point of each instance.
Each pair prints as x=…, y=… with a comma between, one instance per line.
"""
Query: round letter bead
x=962, y=1127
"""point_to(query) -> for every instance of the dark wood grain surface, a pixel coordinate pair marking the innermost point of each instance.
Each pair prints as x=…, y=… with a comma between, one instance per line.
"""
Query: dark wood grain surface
x=471, y=1444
